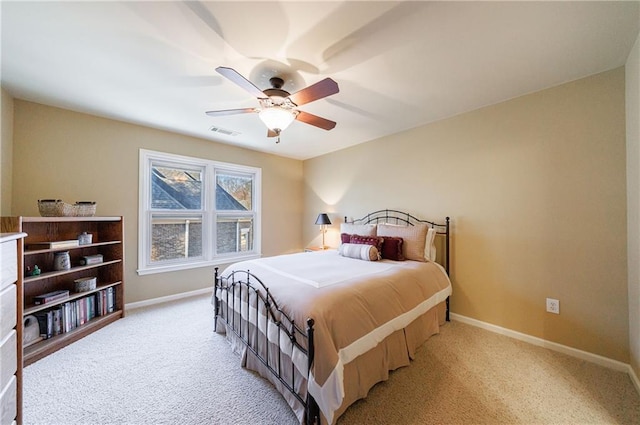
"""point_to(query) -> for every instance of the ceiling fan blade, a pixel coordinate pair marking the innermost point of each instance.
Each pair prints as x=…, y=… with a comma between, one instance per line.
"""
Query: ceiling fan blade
x=230, y=112
x=235, y=76
x=316, y=91
x=271, y=133
x=315, y=120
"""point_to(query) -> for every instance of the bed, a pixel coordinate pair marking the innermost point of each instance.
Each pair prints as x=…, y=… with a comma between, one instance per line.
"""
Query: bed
x=324, y=327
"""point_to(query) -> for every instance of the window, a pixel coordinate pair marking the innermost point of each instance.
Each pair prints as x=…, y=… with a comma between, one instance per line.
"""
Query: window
x=196, y=212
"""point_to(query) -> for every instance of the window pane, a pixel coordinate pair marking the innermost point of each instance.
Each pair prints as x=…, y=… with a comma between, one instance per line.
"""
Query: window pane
x=176, y=188
x=234, y=234
x=175, y=238
x=234, y=191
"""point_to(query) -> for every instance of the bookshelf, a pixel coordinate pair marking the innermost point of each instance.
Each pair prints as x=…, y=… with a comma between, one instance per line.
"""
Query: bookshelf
x=74, y=316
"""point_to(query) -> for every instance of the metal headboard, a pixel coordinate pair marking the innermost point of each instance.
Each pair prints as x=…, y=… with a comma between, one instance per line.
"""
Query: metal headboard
x=404, y=218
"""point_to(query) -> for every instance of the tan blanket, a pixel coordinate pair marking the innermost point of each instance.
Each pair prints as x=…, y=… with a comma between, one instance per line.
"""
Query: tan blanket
x=355, y=305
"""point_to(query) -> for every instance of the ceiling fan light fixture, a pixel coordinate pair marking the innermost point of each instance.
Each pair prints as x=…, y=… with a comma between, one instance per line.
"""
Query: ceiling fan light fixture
x=277, y=118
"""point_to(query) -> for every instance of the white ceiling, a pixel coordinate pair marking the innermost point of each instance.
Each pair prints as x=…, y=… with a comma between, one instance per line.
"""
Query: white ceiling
x=399, y=65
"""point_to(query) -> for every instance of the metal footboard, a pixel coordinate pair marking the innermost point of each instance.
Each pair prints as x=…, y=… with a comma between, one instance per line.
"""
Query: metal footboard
x=243, y=302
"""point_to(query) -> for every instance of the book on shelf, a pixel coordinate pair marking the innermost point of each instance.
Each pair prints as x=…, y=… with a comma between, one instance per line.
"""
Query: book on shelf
x=50, y=297
x=57, y=321
x=111, y=300
x=53, y=244
x=70, y=315
x=45, y=321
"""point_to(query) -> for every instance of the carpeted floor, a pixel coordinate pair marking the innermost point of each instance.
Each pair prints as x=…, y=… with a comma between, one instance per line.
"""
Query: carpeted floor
x=164, y=365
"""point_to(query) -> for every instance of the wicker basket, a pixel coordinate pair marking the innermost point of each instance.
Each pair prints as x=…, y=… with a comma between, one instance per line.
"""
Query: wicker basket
x=57, y=208
x=54, y=208
x=85, y=208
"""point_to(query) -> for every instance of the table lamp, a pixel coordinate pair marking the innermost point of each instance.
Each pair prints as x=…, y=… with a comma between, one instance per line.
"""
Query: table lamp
x=323, y=221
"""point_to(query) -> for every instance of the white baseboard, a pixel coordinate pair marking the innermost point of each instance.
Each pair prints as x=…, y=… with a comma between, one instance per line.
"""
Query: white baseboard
x=583, y=355
x=175, y=297
x=634, y=379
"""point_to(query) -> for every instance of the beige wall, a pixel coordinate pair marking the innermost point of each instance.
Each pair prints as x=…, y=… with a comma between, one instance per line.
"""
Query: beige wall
x=72, y=156
x=6, y=151
x=535, y=187
x=632, y=73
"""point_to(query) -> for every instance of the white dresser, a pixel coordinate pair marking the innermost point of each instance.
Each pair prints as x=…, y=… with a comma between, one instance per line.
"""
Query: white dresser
x=10, y=332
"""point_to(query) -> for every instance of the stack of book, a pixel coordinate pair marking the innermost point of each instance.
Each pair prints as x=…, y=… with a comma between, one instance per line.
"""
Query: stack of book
x=73, y=314
x=50, y=297
x=53, y=244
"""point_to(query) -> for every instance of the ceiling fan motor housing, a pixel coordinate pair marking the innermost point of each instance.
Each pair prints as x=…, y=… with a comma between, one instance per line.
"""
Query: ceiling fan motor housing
x=276, y=90
x=276, y=93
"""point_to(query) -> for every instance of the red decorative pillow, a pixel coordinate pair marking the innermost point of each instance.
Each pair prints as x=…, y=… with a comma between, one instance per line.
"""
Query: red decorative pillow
x=392, y=248
x=367, y=240
x=345, y=237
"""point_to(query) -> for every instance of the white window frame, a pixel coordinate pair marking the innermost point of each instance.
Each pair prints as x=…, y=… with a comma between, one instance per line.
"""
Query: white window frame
x=209, y=212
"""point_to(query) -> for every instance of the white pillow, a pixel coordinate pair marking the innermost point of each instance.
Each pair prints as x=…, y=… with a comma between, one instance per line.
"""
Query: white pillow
x=430, y=245
x=359, y=251
x=358, y=229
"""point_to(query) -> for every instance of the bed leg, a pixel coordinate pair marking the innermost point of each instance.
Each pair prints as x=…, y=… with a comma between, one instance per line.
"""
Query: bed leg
x=447, y=311
x=312, y=410
x=215, y=299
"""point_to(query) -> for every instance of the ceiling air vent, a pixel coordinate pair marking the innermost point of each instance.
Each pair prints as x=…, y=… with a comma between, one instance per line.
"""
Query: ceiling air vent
x=224, y=131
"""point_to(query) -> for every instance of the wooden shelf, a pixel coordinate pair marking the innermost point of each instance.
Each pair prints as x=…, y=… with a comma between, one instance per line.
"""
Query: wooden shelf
x=66, y=219
x=46, y=251
x=43, y=348
x=107, y=237
x=47, y=275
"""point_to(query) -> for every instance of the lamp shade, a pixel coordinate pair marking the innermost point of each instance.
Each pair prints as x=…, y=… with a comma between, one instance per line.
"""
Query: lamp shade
x=276, y=118
x=323, y=219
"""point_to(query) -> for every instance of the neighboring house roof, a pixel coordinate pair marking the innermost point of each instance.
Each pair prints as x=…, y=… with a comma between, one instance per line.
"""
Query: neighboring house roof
x=178, y=190
x=225, y=201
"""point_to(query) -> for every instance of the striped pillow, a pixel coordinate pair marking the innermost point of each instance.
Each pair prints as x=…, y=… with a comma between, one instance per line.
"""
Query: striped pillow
x=359, y=251
x=368, y=240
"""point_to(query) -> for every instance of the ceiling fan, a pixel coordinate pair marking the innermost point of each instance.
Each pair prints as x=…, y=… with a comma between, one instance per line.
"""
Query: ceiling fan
x=278, y=108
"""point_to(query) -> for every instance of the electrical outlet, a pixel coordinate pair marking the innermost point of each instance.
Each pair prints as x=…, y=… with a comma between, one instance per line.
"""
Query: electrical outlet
x=553, y=306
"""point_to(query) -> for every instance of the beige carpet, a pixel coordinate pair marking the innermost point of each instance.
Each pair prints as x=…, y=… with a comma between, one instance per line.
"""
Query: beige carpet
x=467, y=375
x=164, y=365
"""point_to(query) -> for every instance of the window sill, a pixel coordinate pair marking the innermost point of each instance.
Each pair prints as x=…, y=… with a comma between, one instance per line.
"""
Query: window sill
x=196, y=265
